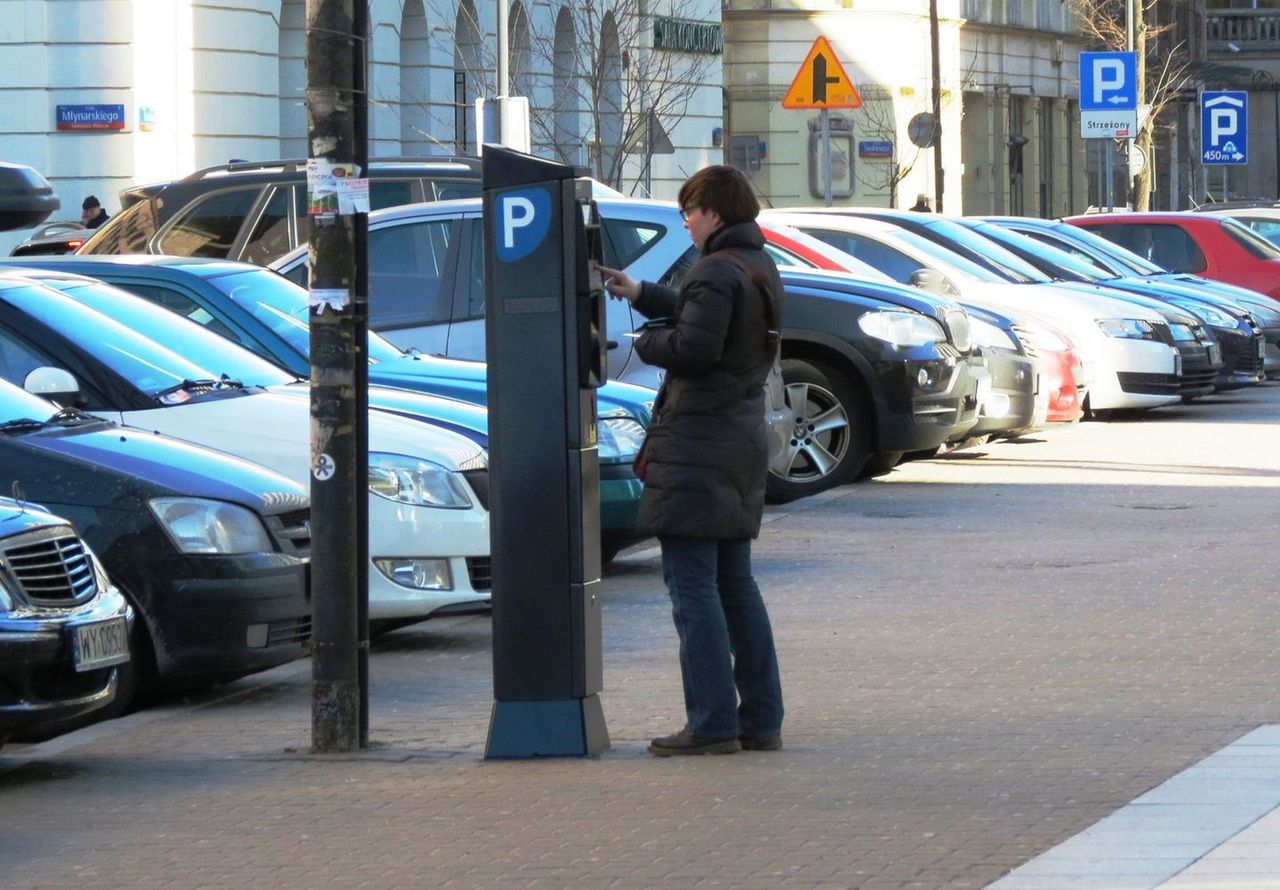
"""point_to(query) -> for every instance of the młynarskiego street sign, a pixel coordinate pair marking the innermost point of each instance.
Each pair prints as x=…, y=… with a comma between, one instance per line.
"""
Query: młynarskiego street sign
x=1108, y=95
x=1224, y=127
x=821, y=82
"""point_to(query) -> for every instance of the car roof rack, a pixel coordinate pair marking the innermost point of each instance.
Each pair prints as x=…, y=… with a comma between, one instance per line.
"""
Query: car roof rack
x=293, y=164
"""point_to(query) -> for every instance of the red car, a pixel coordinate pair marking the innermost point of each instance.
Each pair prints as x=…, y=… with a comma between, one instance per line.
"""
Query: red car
x=1062, y=367
x=1213, y=246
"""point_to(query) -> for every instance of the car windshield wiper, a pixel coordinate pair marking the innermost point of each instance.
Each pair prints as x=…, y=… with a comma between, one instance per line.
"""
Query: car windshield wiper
x=71, y=415
x=186, y=384
x=21, y=423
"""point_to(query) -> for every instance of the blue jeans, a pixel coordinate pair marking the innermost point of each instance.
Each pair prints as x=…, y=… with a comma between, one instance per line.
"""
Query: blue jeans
x=726, y=643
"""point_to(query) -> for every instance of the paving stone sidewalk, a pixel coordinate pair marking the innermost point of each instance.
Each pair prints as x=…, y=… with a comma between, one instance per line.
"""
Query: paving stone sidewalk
x=983, y=655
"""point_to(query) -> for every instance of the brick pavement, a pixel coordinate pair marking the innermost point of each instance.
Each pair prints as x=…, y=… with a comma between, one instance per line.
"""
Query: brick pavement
x=982, y=654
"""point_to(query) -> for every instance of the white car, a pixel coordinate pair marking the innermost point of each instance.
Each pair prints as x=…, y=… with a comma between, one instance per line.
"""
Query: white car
x=1119, y=342
x=428, y=524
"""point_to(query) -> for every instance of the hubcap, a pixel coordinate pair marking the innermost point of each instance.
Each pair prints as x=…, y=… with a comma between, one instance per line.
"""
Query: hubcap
x=821, y=434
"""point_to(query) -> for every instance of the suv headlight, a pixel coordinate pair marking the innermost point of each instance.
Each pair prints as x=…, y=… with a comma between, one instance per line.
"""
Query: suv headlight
x=988, y=335
x=902, y=328
x=1045, y=339
x=1208, y=314
x=1181, y=331
x=196, y=525
x=1127, y=328
x=413, y=480
x=619, y=436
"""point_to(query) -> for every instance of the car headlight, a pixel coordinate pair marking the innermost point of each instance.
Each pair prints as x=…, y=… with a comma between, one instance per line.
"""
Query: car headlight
x=902, y=328
x=1127, y=328
x=1181, y=331
x=413, y=480
x=1044, y=339
x=619, y=436
x=196, y=525
x=1208, y=314
x=988, y=335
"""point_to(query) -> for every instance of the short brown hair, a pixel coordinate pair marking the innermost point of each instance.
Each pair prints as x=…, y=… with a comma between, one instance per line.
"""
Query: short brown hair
x=723, y=190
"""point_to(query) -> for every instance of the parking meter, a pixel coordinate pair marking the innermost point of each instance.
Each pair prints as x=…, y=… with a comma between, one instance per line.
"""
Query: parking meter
x=546, y=347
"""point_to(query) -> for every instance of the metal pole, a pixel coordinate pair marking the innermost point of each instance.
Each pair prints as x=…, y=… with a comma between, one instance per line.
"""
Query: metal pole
x=826, y=156
x=360, y=336
x=503, y=86
x=1275, y=146
x=1111, y=205
x=938, y=173
x=337, y=478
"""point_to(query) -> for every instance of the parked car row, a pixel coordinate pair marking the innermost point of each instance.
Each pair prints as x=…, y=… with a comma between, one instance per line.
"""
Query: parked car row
x=902, y=333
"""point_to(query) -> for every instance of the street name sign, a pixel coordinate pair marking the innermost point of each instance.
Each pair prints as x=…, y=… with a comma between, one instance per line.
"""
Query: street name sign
x=1224, y=127
x=1108, y=95
x=821, y=82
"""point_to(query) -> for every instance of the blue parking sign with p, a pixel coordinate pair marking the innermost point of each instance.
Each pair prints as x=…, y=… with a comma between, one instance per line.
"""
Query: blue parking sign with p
x=522, y=221
x=1224, y=127
x=1108, y=81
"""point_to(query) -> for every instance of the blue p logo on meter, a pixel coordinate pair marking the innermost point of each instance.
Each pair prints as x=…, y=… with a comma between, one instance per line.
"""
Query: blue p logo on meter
x=522, y=221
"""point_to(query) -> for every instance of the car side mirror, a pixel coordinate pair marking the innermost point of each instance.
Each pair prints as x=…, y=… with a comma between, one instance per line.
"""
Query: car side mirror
x=54, y=384
x=929, y=280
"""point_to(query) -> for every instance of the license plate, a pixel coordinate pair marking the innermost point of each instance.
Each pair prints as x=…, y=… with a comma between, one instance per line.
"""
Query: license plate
x=1215, y=353
x=984, y=391
x=1262, y=348
x=100, y=644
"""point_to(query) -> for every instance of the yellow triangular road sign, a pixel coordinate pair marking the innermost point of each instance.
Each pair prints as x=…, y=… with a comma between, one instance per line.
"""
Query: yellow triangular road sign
x=821, y=82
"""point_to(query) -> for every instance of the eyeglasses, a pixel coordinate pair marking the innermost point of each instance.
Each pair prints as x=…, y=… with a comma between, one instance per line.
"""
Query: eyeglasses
x=686, y=212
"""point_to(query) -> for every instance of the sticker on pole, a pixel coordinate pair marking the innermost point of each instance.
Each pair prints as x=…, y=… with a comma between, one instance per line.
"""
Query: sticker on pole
x=522, y=221
x=324, y=468
x=335, y=188
x=334, y=298
x=821, y=82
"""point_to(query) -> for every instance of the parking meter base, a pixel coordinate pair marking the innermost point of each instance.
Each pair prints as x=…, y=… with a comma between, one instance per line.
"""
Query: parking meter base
x=571, y=727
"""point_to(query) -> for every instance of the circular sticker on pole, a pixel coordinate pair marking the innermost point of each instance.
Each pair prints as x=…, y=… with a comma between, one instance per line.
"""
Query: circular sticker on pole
x=324, y=468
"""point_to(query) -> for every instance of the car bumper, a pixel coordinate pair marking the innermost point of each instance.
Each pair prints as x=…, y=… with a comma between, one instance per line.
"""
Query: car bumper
x=619, y=505
x=459, y=539
x=228, y=616
x=1122, y=370
x=38, y=680
x=1243, y=359
x=1018, y=399
x=943, y=391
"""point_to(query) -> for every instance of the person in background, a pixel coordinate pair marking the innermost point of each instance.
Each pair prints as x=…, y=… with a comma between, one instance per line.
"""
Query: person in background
x=922, y=204
x=705, y=463
x=91, y=213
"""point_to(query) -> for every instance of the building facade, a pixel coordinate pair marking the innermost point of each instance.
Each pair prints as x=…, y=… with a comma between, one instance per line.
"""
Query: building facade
x=108, y=93
x=1008, y=73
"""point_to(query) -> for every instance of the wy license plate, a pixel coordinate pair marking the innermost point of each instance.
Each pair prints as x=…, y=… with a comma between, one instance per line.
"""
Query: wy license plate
x=100, y=644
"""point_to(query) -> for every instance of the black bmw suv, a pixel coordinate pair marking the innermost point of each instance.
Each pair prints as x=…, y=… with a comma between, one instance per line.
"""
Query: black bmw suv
x=256, y=211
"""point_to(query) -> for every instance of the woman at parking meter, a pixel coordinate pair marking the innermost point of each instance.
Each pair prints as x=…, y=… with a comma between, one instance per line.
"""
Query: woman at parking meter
x=705, y=462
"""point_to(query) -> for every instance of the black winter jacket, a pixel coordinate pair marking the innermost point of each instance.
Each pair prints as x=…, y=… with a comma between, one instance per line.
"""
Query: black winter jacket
x=707, y=452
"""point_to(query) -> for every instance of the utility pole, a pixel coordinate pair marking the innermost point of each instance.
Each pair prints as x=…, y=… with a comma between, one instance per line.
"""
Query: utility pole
x=337, y=143
x=938, y=172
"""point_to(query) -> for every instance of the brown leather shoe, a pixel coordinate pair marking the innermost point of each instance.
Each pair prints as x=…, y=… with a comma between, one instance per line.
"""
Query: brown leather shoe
x=760, y=742
x=685, y=742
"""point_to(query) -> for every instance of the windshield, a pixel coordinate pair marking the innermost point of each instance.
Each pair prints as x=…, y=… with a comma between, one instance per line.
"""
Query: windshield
x=1054, y=261
x=985, y=252
x=196, y=342
x=16, y=403
x=943, y=260
x=283, y=306
x=148, y=366
x=1250, y=240
x=1109, y=249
